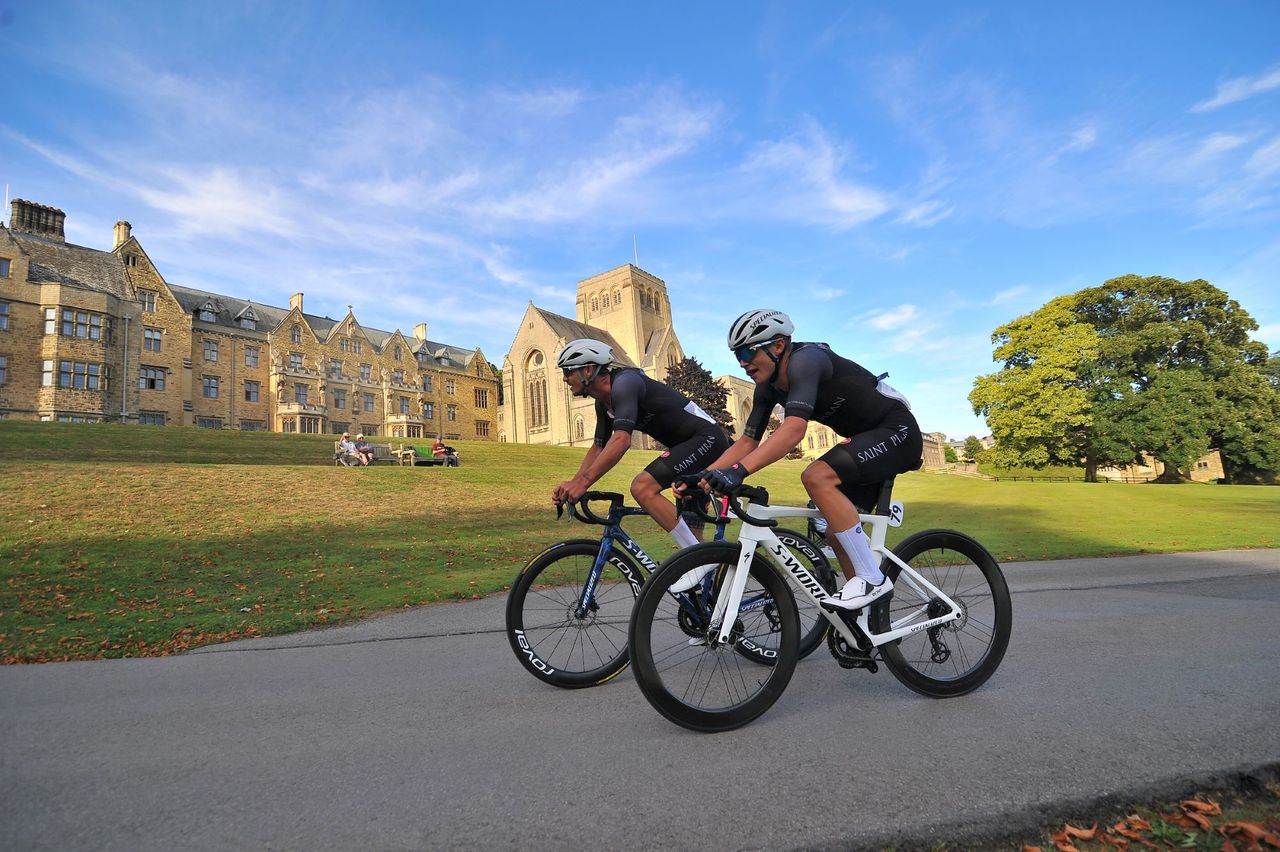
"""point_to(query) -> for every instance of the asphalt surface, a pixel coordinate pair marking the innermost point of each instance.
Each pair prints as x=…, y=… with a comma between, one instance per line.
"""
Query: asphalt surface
x=420, y=731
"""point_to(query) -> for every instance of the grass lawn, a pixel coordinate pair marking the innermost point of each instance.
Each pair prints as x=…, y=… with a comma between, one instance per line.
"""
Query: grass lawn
x=129, y=541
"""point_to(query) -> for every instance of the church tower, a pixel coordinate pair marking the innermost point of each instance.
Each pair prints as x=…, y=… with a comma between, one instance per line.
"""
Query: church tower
x=633, y=307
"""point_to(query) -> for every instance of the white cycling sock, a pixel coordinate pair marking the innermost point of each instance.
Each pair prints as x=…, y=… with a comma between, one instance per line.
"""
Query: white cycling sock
x=865, y=564
x=683, y=535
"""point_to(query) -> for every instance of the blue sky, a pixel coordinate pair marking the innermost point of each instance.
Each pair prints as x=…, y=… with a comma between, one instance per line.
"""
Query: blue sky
x=901, y=178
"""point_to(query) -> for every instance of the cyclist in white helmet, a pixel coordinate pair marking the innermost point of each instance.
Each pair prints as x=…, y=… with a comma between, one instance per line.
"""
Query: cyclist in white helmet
x=627, y=400
x=881, y=438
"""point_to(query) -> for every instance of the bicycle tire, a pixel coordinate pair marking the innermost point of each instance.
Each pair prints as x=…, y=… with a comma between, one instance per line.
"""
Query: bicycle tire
x=548, y=639
x=974, y=645
x=682, y=674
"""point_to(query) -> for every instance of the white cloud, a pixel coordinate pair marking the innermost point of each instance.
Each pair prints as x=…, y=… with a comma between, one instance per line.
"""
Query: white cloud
x=895, y=318
x=1009, y=294
x=1215, y=145
x=1265, y=161
x=1082, y=139
x=804, y=174
x=1239, y=89
x=826, y=294
x=925, y=214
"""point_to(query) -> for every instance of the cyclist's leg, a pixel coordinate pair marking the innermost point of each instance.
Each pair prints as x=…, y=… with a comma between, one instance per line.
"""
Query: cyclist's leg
x=834, y=482
x=690, y=455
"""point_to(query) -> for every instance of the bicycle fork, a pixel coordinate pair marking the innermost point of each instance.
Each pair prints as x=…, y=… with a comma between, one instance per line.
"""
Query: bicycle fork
x=587, y=599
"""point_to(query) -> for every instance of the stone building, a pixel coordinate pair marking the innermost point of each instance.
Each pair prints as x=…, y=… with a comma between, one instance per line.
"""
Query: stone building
x=89, y=335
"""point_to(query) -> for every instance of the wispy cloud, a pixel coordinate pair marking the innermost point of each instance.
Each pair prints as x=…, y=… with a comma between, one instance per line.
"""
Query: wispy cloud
x=1009, y=294
x=894, y=318
x=826, y=294
x=1265, y=161
x=1240, y=88
x=807, y=173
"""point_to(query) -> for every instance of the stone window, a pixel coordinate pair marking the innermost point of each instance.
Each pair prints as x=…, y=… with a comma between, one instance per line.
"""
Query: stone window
x=4, y=267
x=4, y=368
x=50, y=320
x=397, y=376
x=81, y=376
x=206, y=314
x=404, y=405
x=309, y=425
x=252, y=426
x=250, y=324
x=451, y=412
x=151, y=339
x=148, y=300
x=209, y=387
x=429, y=411
x=151, y=378
x=211, y=351
x=251, y=391
x=300, y=394
x=342, y=345
x=482, y=428
x=617, y=297
x=46, y=378
x=595, y=305
x=366, y=372
x=356, y=346
x=289, y=424
x=295, y=333
x=426, y=384
x=4, y=316
x=397, y=352
x=579, y=429
x=449, y=386
x=340, y=400
x=368, y=402
x=482, y=397
x=209, y=422
x=251, y=356
x=81, y=324
x=152, y=418
x=335, y=367
x=295, y=360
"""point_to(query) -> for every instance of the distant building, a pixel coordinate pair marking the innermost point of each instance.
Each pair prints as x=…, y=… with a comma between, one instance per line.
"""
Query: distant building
x=89, y=335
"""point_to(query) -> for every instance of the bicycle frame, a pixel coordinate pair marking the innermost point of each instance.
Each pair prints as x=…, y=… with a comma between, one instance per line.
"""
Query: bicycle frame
x=751, y=538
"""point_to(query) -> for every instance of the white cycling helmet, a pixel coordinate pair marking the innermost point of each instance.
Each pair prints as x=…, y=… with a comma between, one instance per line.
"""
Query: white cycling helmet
x=759, y=326
x=583, y=353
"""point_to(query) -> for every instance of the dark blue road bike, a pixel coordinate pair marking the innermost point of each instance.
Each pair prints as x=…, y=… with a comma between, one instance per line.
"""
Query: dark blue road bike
x=569, y=608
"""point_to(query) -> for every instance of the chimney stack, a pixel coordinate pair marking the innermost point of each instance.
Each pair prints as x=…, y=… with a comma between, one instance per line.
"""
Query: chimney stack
x=32, y=218
x=123, y=230
x=420, y=331
x=295, y=301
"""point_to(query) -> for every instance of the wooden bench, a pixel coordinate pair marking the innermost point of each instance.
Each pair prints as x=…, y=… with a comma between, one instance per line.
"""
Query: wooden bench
x=408, y=455
x=382, y=453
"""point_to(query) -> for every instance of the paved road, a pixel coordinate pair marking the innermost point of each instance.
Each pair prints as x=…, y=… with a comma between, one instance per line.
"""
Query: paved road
x=419, y=730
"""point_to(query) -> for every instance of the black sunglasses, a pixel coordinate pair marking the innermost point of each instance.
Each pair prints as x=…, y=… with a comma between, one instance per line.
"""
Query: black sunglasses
x=744, y=354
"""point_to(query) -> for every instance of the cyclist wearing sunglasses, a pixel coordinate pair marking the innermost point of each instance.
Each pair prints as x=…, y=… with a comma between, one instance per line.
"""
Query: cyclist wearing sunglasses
x=811, y=382
x=626, y=401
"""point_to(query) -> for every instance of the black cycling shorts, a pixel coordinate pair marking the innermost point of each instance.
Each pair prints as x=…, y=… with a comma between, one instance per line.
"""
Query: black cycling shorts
x=868, y=459
x=689, y=456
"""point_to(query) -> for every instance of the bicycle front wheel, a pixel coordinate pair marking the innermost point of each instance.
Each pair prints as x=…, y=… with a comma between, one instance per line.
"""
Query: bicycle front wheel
x=958, y=657
x=684, y=671
x=554, y=641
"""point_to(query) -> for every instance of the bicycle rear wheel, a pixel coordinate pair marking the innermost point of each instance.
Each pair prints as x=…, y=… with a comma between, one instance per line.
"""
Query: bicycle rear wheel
x=684, y=672
x=959, y=656
x=549, y=638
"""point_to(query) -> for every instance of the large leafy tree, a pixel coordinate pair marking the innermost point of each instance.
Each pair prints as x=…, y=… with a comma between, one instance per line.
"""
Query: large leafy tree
x=1135, y=365
x=696, y=382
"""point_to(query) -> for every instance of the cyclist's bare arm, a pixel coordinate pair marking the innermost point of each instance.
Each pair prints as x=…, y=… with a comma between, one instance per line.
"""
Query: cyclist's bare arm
x=598, y=462
x=783, y=440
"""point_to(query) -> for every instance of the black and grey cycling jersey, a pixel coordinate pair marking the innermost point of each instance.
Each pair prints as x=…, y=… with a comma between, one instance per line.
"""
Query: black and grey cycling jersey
x=832, y=390
x=644, y=404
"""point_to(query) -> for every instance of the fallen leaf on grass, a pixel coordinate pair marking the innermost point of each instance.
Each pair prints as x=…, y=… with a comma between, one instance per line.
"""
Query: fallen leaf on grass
x=1251, y=832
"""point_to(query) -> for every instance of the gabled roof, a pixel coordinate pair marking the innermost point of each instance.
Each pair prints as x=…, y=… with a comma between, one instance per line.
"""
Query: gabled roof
x=229, y=308
x=573, y=330
x=52, y=262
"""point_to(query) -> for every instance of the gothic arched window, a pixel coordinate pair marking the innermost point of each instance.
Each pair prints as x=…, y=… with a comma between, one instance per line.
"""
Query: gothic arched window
x=579, y=428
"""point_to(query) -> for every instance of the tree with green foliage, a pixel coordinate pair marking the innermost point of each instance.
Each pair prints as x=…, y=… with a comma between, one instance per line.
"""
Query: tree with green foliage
x=696, y=382
x=949, y=454
x=1136, y=365
x=972, y=448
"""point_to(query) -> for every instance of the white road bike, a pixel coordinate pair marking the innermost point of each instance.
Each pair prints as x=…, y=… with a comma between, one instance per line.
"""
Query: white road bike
x=942, y=632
